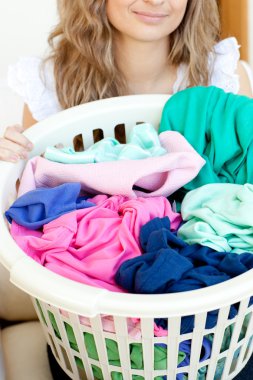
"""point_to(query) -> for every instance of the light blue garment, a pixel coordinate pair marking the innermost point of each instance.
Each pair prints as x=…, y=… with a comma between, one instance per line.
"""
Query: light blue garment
x=143, y=143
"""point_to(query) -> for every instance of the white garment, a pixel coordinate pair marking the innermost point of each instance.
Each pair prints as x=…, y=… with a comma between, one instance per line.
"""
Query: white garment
x=36, y=84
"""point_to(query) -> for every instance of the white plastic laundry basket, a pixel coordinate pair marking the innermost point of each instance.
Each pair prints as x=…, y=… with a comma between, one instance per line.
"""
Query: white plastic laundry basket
x=72, y=314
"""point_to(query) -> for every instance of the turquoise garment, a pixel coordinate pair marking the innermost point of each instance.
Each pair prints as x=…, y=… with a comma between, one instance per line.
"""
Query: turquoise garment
x=219, y=216
x=219, y=126
x=143, y=143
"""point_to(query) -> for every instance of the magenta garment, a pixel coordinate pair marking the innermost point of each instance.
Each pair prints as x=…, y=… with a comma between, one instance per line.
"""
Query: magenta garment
x=157, y=175
x=89, y=245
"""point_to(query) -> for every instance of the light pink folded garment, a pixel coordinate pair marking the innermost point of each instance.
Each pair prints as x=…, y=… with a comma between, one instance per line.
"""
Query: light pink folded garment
x=89, y=245
x=158, y=176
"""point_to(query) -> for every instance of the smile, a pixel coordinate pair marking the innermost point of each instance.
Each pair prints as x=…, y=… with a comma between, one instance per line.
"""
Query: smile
x=150, y=17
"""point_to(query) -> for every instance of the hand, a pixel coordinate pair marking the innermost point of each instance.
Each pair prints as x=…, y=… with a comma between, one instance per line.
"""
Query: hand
x=14, y=145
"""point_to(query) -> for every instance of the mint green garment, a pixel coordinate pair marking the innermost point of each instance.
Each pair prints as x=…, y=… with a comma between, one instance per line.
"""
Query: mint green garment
x=219, y=126
x=219, y=216
x=135, y=349
x=143, y=143
x=136, y=356
x=117, y=375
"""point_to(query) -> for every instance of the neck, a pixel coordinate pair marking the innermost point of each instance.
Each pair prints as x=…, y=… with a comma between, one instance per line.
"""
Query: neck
x=145, y=65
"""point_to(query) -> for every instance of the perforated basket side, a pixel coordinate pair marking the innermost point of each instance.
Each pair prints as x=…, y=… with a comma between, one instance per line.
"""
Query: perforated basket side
x=87, y=348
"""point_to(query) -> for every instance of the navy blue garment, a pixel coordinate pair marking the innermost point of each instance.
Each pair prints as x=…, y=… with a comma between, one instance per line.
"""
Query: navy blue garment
x=170, y=265
x=38, y=207
x=156, y=235
x=187, y=322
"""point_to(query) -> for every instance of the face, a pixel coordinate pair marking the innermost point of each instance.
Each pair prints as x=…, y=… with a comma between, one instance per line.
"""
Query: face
x=145, y=20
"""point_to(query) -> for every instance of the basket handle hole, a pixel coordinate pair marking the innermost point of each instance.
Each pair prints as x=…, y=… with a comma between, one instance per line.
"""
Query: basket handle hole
x=120, y=133
x=98, y=134
x=17, y=184
x=78, y=143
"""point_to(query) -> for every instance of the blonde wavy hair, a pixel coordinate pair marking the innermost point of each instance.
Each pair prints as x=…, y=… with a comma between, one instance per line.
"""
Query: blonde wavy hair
x=82, y=49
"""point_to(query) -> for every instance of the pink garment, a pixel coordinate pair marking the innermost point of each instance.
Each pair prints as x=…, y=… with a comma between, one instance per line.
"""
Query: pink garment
x=133, y=325
x=161, y=175
x=89, y=245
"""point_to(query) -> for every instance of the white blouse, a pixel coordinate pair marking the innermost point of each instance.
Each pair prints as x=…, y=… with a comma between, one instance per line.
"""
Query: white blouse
x=36, y=84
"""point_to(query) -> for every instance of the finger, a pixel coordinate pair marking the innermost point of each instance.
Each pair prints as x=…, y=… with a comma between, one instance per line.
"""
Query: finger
x=18, y=127
x=12, y=147
x=7, y=155
x=59, y=146
x=15, y=134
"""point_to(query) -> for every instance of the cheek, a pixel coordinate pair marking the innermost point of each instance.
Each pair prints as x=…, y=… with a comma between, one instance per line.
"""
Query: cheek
x=179, y=8
x=114, y=11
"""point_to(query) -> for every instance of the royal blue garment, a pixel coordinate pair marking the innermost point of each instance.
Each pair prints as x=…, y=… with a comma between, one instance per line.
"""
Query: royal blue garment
x=185, y=347
x=170, y=265
x=38, y=207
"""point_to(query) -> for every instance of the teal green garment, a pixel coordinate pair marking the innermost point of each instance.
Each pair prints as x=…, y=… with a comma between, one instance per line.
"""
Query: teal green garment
x=143, y=143
x=219, y=126
x=219, y=216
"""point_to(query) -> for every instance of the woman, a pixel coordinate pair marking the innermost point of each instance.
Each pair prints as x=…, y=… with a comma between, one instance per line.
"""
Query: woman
x=106, y=48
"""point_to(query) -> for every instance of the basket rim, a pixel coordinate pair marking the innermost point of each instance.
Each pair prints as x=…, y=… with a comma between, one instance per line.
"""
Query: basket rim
x=86, y=300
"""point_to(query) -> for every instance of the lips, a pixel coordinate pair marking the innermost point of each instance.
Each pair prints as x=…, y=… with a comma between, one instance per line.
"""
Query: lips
x=150, y=18
x=150, y=14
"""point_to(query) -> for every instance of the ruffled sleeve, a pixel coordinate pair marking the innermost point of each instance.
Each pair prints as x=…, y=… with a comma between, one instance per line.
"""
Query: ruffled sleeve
x=35, y=83
x=224, y=63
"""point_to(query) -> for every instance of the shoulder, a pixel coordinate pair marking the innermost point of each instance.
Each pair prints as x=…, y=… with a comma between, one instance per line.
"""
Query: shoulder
x=223, y=62
x=245, y=74
x=33, y=80
x=226, y=69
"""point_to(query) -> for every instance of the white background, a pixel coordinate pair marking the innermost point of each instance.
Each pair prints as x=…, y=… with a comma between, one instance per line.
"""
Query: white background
x=24, y=28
